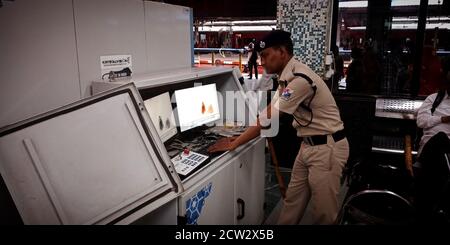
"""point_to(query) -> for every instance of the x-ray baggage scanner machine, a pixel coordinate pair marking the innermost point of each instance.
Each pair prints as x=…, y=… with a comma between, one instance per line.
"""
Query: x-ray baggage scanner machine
x=108, y=159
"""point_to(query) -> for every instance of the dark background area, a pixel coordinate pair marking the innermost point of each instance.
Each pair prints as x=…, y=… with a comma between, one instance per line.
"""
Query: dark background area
x=229, y=9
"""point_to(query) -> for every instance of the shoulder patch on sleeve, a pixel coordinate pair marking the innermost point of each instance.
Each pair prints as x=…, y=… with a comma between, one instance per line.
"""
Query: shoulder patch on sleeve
x=286, y=94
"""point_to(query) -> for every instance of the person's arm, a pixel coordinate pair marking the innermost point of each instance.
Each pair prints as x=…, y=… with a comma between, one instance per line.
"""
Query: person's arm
x=231, y=143
x=424, y=118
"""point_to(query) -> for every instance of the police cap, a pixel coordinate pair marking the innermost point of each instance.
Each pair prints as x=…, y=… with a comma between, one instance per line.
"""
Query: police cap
x=274, y=38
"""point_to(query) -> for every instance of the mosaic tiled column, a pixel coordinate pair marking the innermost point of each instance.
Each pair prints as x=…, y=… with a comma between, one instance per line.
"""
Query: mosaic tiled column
x=308, y=21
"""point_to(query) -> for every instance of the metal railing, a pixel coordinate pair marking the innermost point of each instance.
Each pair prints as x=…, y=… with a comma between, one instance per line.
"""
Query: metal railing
x=221, y=51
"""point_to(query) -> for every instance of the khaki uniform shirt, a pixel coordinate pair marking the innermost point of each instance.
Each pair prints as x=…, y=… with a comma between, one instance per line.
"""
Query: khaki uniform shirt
x=326, y=118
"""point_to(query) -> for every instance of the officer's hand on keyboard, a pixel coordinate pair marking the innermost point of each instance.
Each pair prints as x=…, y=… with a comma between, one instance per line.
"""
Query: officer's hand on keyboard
x=225, y=144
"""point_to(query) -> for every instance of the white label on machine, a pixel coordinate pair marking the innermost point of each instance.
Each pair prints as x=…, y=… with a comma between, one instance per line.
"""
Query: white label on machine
x=185, y=163
x=115, y=62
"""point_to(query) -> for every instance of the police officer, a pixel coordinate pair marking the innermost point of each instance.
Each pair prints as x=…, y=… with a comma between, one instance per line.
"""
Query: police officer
x=324, y=151
x=252, y=59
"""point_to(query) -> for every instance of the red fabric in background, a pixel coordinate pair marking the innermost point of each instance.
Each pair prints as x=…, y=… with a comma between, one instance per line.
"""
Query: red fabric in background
x=431, y=75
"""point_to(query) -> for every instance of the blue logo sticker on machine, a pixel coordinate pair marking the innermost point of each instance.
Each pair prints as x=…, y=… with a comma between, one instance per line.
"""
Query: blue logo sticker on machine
x=194, y=205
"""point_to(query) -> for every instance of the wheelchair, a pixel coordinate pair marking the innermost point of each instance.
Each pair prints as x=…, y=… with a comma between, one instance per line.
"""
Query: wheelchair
x=379, y=194
x=433, y=192
x=376, y=207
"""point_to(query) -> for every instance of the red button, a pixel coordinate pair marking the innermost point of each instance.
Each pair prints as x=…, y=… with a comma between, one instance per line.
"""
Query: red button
x=186, y=151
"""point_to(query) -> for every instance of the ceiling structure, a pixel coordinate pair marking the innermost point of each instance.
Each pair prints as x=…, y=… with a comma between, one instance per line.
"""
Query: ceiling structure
x=207, y=10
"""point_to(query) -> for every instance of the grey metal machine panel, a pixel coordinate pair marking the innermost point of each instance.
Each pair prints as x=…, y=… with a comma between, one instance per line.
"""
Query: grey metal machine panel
x=250, y=170
x=211, y=201
x=108, y=27
x=168, y=29
x=209, y=198
x=38, y=61
x=163, y=216
x=91, y=162
x=167, y=78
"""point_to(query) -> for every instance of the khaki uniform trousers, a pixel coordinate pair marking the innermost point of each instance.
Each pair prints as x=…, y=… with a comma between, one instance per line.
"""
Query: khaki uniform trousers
x=315, y=175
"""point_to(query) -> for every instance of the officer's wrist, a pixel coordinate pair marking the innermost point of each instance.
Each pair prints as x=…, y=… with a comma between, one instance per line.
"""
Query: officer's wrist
x=233, y=145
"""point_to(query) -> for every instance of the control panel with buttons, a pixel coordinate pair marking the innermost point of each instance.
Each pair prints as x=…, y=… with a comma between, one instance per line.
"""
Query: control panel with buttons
x=187, y=161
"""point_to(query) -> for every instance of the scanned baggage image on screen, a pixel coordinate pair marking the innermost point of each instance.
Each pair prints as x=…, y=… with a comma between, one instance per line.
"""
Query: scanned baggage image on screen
x=161, y=113
x=197, y=106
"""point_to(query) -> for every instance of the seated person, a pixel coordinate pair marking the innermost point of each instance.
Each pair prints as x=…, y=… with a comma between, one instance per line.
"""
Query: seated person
x=434, y=114
x=434, y=118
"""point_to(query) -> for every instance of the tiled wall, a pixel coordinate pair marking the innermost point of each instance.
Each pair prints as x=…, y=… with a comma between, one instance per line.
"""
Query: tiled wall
x=307, y=20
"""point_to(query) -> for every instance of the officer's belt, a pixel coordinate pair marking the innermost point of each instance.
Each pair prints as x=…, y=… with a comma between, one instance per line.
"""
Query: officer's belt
x=322, y=139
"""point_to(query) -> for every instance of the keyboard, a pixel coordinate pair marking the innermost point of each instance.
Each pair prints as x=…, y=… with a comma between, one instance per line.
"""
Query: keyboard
x=197, y=155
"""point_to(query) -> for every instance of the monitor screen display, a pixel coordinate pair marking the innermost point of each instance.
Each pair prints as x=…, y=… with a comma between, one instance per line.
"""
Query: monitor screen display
x=160, y=110
x=197, y=106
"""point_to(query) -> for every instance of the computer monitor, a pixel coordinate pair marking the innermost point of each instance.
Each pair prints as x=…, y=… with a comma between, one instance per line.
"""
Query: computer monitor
x=197, y=106
x=160, y=110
